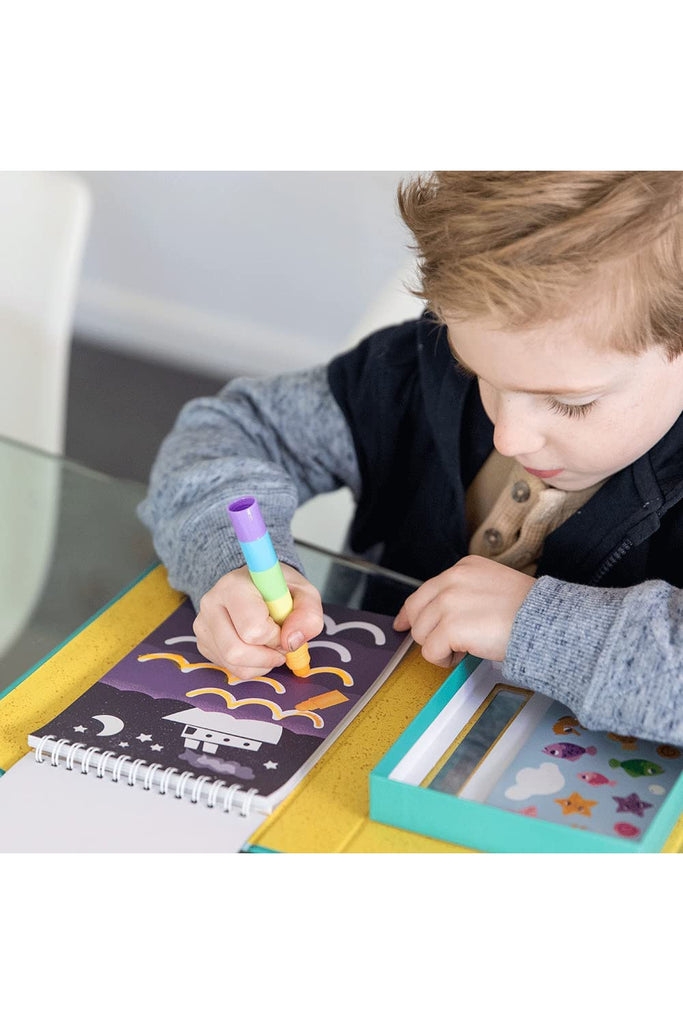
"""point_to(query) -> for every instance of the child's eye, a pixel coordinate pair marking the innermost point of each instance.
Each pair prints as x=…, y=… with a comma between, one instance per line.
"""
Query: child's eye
x=570, y=410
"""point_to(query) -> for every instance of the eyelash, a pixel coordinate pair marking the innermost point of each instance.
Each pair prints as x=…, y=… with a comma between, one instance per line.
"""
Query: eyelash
x=573, y=411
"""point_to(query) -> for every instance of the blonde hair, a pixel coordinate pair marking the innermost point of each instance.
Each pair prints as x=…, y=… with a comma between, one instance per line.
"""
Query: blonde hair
x=524, y=247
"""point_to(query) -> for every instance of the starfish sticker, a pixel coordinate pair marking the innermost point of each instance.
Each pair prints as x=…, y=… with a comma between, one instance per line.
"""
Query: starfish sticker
x=631, y=804
x=576, y=804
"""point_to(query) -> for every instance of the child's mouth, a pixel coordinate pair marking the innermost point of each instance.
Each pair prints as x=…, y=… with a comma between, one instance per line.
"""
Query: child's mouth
x=542, y=473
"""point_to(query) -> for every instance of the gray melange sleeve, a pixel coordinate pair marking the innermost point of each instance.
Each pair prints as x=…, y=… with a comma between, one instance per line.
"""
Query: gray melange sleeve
x=282, y=439
x=614, y=656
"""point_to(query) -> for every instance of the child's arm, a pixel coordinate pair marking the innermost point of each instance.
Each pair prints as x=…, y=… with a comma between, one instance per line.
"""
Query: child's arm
x=613, y=655
x=282, y=439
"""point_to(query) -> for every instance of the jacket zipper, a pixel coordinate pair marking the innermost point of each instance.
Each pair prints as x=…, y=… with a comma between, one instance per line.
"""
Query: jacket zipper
x=611, y=561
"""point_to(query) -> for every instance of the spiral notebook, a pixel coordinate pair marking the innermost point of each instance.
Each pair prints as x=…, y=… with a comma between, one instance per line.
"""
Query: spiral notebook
x=167, y=751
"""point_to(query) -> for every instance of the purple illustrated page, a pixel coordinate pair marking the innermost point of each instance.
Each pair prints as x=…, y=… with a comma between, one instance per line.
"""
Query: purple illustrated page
x=165, y=704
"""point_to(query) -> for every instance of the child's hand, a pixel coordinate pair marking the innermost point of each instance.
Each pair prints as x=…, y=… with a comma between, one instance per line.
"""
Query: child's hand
x=234, y=630
x=469, y=607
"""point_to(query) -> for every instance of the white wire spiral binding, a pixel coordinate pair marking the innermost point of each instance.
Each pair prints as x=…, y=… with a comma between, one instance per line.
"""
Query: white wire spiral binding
x=180, y=784
x=248, y=800
x=164, y=780
x=230, y=795
x=85, y=763
x=149, y=775
x=133, y=770
x=41, y=747
x=54, y=760
x=197, y=788
x=101, y=764
x=211, y=799
x=70, y=755
x=116, y=774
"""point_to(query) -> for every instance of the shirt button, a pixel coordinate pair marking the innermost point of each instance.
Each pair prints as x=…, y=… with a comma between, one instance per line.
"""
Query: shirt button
x=521, y=491
x=494, y=540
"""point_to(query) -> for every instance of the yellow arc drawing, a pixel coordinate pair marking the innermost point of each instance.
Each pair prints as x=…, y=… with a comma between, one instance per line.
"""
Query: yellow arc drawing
x=346, y=679
x=275, y=710
x=188, y=666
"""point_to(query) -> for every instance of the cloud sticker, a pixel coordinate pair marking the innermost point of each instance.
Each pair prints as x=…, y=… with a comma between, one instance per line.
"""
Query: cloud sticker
x=547, y=778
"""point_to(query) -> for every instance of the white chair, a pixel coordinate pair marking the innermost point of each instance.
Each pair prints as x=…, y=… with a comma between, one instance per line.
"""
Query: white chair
x=44, y=219
x=43, y=224
x=325, y=519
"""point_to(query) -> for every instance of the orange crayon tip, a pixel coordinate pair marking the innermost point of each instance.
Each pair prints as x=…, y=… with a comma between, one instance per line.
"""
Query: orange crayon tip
x=299, y=661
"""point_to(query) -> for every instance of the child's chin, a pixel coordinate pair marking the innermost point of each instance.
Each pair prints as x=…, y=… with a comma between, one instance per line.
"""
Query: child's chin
x=572, y=481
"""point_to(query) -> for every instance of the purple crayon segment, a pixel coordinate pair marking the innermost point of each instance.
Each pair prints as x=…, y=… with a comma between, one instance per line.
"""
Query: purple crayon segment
x=246, y=518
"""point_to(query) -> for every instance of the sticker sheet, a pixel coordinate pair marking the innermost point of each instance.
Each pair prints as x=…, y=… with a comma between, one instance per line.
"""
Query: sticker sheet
x=600, y=782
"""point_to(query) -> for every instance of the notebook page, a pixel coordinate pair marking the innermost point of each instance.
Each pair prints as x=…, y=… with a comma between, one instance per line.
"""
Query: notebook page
x=52, y=810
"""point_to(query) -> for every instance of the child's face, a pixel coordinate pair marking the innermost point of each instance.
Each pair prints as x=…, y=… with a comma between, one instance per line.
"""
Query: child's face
x=567, y=411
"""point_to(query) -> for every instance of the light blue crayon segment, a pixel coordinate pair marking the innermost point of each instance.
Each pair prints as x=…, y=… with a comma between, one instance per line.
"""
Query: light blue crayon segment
x=260, y=554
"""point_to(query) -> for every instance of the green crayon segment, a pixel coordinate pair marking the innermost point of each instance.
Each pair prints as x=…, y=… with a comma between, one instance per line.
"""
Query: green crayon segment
x=270, y=583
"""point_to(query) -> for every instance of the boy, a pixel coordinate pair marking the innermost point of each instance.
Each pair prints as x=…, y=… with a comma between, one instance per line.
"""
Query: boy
x=519, y=448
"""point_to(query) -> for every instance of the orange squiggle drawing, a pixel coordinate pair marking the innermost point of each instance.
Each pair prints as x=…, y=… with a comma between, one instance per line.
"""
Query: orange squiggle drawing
x=188, y=666
x=275, y=710
x=346, y=679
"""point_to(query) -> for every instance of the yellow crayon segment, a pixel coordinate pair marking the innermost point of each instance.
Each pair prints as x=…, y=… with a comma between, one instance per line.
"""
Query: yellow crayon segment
x=280, y=608
x=298, y=661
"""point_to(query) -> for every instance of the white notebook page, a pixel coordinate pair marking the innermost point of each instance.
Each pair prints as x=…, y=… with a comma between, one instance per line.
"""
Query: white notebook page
x=52, y=810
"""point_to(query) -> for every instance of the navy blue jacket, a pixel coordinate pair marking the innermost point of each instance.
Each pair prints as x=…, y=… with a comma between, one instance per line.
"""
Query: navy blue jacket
x=421, y=435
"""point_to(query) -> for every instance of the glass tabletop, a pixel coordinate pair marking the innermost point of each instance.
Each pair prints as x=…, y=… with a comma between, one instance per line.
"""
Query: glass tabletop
x=70, y=541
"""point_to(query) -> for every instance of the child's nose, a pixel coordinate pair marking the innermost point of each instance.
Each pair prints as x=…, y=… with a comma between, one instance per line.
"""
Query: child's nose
x=514, y=434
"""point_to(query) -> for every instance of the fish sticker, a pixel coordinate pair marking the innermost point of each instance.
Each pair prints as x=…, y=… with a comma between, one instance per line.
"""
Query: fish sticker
x=637, y=767
x=596, y=779
x=568, y=751
x=576, y=804
x=567, y=724
x=631, y=804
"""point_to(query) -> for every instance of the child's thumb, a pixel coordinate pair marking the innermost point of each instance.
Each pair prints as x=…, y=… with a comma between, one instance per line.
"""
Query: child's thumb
x=302, y=624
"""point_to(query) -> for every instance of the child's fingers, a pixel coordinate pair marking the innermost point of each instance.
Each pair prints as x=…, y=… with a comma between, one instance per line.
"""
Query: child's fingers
x=305, y=621
x=236, y=594
x=414, y=605
x=218, y=640
x=234, y=629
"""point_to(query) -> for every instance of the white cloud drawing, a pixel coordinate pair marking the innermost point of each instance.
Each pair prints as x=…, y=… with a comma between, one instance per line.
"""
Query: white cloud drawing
x=547, y=778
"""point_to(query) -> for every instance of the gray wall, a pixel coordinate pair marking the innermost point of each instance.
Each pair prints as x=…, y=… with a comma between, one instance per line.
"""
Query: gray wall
x=229, y=272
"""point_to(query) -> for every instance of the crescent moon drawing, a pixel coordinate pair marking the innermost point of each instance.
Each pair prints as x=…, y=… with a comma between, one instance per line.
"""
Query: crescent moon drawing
x=110, y=724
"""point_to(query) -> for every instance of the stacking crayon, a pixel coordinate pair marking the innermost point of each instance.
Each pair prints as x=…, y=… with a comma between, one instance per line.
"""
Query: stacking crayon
x=265, y=570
